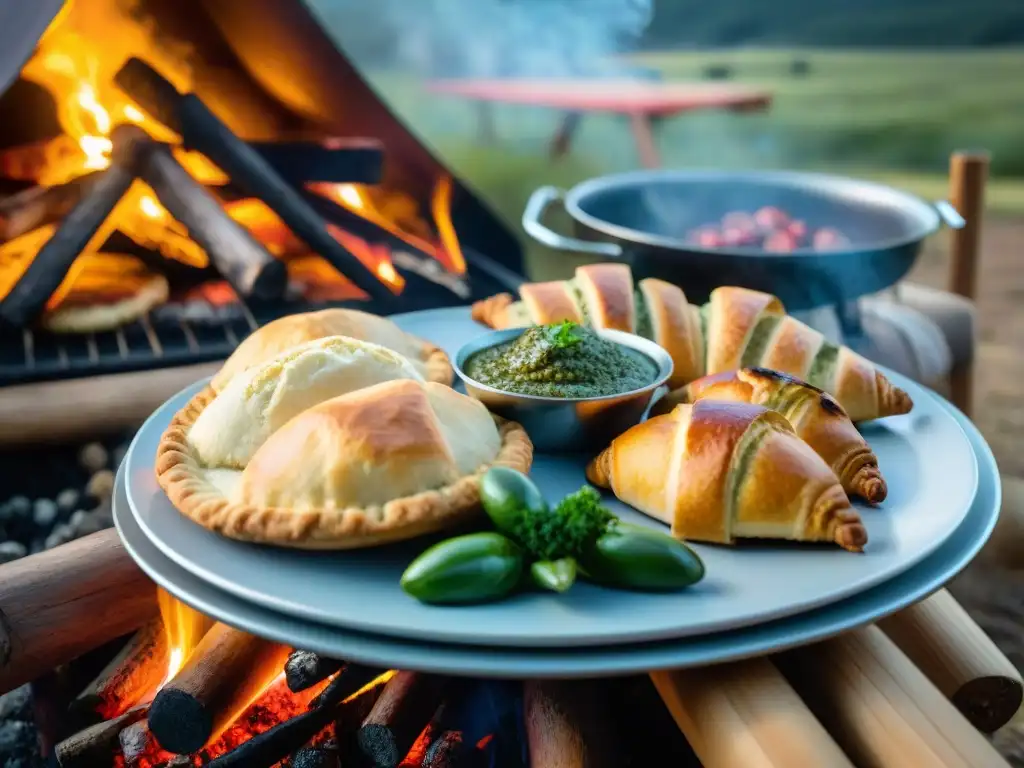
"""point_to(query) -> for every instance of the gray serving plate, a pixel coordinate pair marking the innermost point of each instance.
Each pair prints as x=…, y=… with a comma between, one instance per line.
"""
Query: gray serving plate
x=925, y=456
x=564, y=662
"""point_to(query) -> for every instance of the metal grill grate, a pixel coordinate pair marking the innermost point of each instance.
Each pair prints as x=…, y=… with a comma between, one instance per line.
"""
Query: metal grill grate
x=162, y=339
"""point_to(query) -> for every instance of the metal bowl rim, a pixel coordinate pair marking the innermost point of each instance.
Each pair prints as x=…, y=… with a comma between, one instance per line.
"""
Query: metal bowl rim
x=646, y=347
x=791, y=179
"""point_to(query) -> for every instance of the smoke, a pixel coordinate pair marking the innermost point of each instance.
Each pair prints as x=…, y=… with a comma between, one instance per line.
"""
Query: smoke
x=489, y=38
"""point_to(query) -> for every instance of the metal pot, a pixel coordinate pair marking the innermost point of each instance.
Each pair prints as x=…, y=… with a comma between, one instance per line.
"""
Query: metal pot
x=642, y=218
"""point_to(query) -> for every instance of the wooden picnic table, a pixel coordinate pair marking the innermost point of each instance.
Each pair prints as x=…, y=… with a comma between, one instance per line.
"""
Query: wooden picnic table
x=641, y=101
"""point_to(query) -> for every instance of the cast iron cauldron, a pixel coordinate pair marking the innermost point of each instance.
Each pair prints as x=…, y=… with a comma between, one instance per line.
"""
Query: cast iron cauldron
x=642, y=219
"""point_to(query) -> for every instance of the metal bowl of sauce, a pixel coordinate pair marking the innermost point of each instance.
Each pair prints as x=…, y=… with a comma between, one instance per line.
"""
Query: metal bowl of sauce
x=573, y=416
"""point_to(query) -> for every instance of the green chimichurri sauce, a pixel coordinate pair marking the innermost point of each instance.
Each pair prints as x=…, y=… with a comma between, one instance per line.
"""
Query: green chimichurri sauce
x=562, y=360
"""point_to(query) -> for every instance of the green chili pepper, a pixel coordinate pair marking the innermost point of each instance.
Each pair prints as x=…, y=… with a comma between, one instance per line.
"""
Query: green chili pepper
x=475, y=568
x=556, y=575
x=507, y=496
x=632, y=557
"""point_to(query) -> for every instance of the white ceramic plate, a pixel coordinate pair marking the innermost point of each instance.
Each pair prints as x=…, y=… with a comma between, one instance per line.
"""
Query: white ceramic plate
x=925, y=456
x=921, y=580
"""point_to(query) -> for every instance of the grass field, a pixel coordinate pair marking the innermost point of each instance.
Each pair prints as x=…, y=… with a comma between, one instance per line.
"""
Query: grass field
x=893, y=116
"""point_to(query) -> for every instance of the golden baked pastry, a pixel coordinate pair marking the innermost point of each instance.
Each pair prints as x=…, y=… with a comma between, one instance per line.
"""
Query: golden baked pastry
x=380, y=464
x=717, y=471
x=737, y=328
x=260, y=400
x=287, y=332
x=815, y=415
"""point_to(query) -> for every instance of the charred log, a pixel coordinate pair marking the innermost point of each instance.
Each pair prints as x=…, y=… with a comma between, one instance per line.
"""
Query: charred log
x=226, y=669
x=238, y=256
x=202, y=130
x=304, y=669
x=406, y=705
x=97, y=744
x=38, y=206
x=79, y=227
x=133, y=674
x=336, y=161
x=270, y=747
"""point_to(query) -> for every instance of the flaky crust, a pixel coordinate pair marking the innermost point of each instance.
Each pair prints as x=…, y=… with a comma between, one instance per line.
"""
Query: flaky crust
x=293, y=330
x=717, y=471
x=550, y=302
x=733, y=315
x=816, y=416
x=608, y=292
x=676, y=329
x=182, y=478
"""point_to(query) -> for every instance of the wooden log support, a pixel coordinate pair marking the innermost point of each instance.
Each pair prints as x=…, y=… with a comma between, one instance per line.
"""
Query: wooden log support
x=304, y=669
x=337, y=160
x=270, y=747
x=202, y=130
x=130, y=677
x=745, y=715
x=961, y=661
x=82, y=226
x=881, y=709
x=58, y=604
x=968, y=175
x=404, y=709
x=96, y=744
x=567, y=725
x=221, y=676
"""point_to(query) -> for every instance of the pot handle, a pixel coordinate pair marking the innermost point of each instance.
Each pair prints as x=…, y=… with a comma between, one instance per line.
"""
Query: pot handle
x=534, y=211
x=950, y=215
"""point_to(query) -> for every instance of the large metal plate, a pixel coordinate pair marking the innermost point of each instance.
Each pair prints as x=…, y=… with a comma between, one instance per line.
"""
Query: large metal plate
x=926, y=457
x=899, y=592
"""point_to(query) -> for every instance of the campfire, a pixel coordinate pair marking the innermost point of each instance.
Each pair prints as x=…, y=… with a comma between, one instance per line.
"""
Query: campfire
x=186, y=691
x=135, y=199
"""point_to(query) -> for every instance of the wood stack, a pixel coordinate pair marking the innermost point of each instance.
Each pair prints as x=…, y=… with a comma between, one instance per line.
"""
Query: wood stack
x=921, y=688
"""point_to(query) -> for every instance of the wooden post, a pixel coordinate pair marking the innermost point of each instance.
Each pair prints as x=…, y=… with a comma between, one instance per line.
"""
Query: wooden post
x=745, y=715
x=881, y=709
x=968, y=173
x=959, y=658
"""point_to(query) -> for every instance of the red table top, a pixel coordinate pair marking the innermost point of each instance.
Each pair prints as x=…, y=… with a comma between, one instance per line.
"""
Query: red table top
x=624, y=96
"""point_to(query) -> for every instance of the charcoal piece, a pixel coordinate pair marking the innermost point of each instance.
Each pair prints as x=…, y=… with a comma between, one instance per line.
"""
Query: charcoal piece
x=18, y=742
x=15, y=508
x=67, y=502
x=17, y=704
x=323, y=756
x=45, y=511
x=304, y=669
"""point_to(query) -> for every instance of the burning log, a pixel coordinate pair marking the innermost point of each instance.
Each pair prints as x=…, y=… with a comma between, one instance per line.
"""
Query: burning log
x=202, y=130
x=222, y=675
x=334, y=161
x=58, y=604
x=304, y=669
x=880, y=707
x=133, y=674
x=270, y=747
x=745, y=715
x=238, y=256
x=406, y=705
x=566, y=725
x=96, y=744
x=959, y=658
x=37, y=206
x=80, y=227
